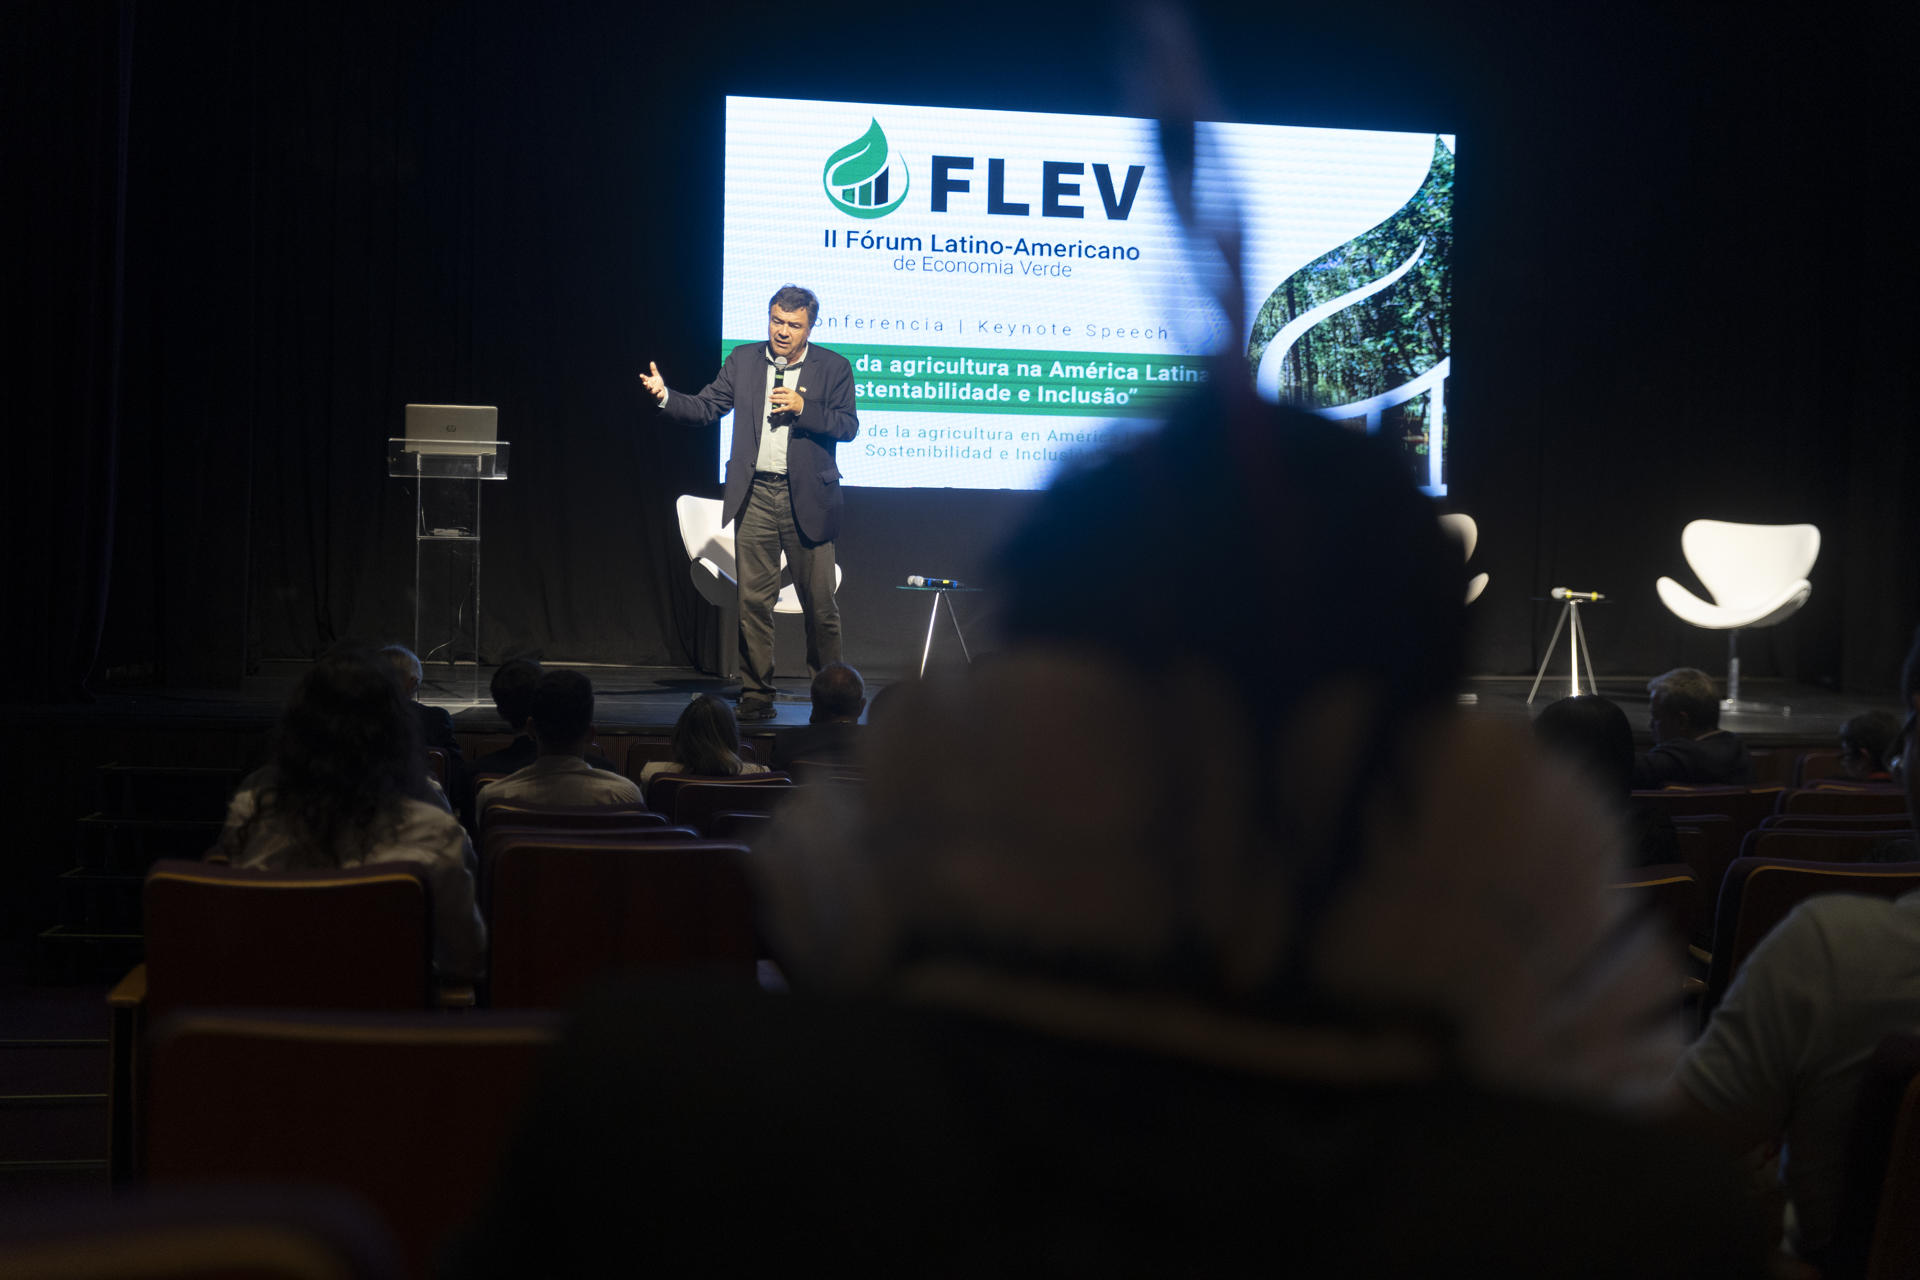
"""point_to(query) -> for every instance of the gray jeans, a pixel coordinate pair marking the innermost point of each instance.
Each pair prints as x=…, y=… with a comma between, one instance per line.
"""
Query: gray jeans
x=766, y=529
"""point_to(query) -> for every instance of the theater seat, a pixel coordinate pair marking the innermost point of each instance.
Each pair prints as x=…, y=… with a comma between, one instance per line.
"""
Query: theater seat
x=1837, y=799
x=566, y=908
x=409, y=1111
x=1708, y=843
x=353, y=938
x=1666, y=890
x=257, y=1232
x=662, y=790
x=347, y=938
x=1877, y=1234
x=1818, y=845
x=1890, y=823
x=590, y=817
x=1746, y=806
x=1758, y=894
x=695, y=803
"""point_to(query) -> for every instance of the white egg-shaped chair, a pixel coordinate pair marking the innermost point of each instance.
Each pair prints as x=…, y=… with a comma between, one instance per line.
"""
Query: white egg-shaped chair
x=1757, y=576
x=711, y=563
x=1468, y=534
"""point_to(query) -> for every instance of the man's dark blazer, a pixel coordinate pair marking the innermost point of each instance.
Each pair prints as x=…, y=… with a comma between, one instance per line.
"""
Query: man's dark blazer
x=1717, y=760
x=834, y=740
x=825, y=382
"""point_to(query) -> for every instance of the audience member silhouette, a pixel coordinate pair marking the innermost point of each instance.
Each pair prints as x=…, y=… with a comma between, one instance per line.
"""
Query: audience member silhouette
x=512, y=688
x=341, y=789
x=436, y=725
x=1312, y=991
x=1868, y=742
x=1689, y=746
x=1592, y=733
x=706, y=743
x=1783, y=1057
x=832, y=731
x=880, y=705
x=560, y=776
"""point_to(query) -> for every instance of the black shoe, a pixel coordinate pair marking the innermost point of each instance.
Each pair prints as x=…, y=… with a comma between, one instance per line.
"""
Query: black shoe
x=755, y=710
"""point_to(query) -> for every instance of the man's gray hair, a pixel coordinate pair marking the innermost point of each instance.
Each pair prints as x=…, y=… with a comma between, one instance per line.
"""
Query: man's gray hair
x=1689, y=691
x=406, y=664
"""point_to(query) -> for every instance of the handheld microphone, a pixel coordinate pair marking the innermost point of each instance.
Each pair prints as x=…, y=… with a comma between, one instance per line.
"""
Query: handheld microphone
x=779, y=380
x=1562, y=593
x=942, y=584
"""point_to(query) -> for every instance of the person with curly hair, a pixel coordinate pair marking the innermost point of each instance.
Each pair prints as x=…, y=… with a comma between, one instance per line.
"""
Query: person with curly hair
x=344, y=787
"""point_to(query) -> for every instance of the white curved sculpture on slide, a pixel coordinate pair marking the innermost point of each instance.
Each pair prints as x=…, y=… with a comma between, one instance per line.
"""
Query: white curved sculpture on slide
x=1757, y=575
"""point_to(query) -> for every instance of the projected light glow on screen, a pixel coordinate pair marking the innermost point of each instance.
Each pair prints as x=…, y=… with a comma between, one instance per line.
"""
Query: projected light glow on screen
x=1013, y=288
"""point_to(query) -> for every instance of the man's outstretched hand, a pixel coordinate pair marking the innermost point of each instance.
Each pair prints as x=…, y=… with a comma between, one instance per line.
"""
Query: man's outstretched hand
x=654, y=383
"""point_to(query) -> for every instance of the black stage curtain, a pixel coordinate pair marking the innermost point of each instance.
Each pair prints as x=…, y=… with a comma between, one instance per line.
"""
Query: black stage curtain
x=1681, y=293
x=64, y=86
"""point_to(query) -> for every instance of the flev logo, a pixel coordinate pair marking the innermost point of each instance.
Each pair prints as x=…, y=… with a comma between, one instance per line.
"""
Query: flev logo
x=858, y=177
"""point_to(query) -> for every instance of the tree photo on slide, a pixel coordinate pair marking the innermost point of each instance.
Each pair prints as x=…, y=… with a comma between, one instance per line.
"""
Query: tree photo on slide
x=1385, y=338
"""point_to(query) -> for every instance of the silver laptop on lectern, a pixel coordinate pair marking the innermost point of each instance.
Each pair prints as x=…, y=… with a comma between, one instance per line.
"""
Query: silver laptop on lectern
x=453, y=428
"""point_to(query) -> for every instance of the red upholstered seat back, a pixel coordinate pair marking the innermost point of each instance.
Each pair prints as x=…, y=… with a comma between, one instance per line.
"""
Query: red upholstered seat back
x=1818, y=845
x=663, y=789
x=1708, y=842
x=695, y=803
x=409, y=1111
x=568, y=908
x=1667, y=891
x=1861, y=798
x=592, y=817
x=1745, y=805
x=358, y=938
x=1890, y=823
x=1760, y=892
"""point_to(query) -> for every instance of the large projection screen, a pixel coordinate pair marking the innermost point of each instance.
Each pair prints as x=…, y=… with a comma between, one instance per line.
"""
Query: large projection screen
x=1013, y=288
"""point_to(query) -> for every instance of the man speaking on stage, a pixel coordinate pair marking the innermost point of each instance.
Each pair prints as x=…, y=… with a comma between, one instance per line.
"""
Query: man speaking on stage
x=794, y=403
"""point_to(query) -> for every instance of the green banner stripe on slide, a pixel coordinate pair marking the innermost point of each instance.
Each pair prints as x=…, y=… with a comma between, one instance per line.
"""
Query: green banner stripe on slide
x=1099, y=384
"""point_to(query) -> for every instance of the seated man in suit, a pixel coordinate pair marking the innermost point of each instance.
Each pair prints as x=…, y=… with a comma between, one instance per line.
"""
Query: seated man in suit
x=1689, y=746
x=1786, y=1051
x=832, y=732
x=562, y=720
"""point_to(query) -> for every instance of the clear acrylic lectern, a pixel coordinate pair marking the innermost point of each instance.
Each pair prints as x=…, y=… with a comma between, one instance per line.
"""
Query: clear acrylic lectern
x=447, y=480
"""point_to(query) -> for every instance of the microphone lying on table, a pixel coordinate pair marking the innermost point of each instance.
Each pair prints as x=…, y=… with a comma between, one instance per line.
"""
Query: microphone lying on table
x=941, y=584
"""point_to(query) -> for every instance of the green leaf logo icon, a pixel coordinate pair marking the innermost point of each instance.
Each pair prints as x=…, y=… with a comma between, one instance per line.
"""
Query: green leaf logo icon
x=858, y=178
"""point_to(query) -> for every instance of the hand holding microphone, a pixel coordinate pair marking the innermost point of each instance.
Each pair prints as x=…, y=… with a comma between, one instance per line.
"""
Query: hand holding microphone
x=785, y=399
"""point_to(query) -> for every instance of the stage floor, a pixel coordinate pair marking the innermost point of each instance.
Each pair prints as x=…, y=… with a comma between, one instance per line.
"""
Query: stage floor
x=647, y=700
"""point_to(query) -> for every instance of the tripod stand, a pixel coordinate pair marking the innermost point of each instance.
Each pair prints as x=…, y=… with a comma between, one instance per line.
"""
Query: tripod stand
x=1579, y=651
